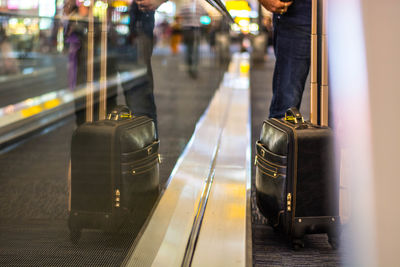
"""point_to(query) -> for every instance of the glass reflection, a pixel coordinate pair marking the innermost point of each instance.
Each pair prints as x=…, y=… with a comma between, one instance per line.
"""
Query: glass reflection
x=44, y=74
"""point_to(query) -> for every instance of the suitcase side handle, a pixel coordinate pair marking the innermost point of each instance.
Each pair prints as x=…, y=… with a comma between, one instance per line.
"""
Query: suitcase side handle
x=294, y=115
x=120, y=112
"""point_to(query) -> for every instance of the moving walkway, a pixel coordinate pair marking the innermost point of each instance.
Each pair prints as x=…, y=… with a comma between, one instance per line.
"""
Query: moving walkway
x=205, y=216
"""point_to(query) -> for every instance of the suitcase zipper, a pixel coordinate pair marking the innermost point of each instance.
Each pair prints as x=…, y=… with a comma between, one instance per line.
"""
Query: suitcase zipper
x=138, y=162
x=141, y=169
x=274, y=166
x=144, y=121
x=262, y=156
x=274, y=172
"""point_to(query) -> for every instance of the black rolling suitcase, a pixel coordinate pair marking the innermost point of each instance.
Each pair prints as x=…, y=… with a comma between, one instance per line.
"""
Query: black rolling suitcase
x=295, y=185
x=114, y=172
x=296, y=189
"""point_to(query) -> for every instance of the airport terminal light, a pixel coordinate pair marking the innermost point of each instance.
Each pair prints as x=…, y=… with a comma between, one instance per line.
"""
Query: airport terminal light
x=22, y=4
x=47, y=8
x=120, y=6
x=169, y=8
x=254, y=28
x=86, y=3
x=241, y=12
x=99, y=8
x=205, y=20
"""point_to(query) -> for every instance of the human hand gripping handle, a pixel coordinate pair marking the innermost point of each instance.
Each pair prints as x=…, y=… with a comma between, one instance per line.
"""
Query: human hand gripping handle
x=276, y=6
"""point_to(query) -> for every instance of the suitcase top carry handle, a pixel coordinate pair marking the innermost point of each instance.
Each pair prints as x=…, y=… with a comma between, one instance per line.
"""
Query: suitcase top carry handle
x=120, y=113
x=294, y=115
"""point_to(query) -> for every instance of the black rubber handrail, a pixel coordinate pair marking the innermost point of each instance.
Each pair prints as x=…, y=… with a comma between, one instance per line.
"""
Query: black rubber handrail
x=218, y=5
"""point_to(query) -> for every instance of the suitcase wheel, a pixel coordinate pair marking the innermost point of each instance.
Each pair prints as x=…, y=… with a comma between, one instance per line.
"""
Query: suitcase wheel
x=75, y=235
x=297, y=244
x=333, y=241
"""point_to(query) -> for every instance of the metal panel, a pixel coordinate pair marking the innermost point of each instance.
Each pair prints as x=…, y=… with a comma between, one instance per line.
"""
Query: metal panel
x=224, y=227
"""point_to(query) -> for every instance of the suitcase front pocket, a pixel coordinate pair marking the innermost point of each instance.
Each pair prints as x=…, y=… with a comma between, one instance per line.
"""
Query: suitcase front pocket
x=270, y=157
x=141, y=154
x=271, y=172
x=140, y=185
x=267, y=169
x=135, y=168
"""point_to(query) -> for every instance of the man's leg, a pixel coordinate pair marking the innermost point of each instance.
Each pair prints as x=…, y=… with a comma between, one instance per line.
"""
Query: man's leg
x=292, y=50
x=140, y=98
x=196, y=44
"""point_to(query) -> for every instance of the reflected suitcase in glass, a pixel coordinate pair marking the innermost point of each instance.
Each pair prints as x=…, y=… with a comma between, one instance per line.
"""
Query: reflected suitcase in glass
x=114, y=172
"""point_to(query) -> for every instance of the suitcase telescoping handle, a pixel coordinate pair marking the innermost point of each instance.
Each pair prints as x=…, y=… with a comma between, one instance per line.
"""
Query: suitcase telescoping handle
x=293, y=115
x=90, y=63
x=120, y=112
x=319, y=64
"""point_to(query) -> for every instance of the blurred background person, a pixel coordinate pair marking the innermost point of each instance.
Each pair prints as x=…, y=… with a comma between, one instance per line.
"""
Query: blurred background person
x=191, y=13
x=176, y=35
x=75, y=39
x=8, y=64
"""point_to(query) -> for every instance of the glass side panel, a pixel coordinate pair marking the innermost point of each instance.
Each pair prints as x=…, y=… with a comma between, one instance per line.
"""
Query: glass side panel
x=77, y=193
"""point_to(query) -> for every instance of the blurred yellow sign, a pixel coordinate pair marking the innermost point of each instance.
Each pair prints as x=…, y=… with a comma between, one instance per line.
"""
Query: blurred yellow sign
x=31, y=111
x=237, y=5
x=28, y=112
x=244, y=67
x=119, y=3
x=51, y=103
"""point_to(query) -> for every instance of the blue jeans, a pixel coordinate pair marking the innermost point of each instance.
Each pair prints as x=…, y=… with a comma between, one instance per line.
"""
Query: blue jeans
x=292, y=51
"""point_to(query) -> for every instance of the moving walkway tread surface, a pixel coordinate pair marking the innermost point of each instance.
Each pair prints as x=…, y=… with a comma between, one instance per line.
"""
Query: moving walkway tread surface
x=270, y=248
x=33, y=181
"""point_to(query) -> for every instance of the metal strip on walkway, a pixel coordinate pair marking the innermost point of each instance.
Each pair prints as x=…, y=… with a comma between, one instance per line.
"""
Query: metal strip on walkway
x=220, y=150
x=223, y=237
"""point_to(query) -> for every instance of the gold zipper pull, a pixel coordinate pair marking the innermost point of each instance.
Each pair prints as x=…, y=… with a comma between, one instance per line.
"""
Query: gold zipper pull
x=255, y=160
x=289, y=202
x=159, y=158
x=117, y=198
